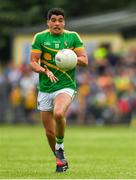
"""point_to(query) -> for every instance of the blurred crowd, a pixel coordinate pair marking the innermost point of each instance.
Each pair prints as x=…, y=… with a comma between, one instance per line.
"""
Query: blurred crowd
x=18, y=92
x=106, y=90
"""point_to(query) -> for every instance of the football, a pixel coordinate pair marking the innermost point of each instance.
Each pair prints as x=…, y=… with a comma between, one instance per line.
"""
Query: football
x=66, y=59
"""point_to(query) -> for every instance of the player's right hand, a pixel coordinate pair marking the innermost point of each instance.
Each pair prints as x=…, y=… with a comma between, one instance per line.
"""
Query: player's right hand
x=51, y=76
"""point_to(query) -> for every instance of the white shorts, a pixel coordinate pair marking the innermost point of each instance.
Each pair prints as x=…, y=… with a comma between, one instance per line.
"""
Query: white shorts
x=45, y=100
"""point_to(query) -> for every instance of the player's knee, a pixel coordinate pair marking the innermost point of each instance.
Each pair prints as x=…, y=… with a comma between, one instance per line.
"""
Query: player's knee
x=59, y=115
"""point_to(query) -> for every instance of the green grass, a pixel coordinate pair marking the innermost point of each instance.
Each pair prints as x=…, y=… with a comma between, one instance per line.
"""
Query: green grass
x=93, y=152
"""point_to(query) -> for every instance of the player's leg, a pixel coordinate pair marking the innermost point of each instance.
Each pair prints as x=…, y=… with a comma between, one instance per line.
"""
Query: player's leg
x=45, y=105
x=49, y=125
x=61, y=104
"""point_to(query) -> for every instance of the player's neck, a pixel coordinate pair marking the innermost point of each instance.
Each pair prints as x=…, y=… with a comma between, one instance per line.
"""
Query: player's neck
x=55, y=34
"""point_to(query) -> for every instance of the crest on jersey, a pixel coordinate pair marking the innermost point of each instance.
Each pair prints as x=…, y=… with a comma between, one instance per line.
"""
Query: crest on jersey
x=65, y=43
x=56, y=45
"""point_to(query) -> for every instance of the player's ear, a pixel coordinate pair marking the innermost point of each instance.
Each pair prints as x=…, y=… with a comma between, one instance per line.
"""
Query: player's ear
x=47, y=22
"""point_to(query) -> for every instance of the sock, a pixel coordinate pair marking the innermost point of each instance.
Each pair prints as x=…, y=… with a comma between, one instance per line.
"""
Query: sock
x=59, y=143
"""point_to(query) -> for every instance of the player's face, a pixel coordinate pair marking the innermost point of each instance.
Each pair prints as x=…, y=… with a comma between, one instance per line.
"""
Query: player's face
x=56, y=24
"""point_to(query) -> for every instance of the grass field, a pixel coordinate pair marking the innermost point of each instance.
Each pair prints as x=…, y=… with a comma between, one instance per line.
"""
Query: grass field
x=93, y=152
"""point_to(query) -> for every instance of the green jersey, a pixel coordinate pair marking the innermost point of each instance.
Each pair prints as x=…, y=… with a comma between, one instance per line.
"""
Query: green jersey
x=49, y=45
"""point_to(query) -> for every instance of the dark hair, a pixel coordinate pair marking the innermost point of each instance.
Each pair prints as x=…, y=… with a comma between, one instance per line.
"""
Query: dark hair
x=55, y=11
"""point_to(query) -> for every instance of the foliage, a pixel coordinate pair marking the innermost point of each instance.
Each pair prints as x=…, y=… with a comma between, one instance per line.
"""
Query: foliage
x=24, y=13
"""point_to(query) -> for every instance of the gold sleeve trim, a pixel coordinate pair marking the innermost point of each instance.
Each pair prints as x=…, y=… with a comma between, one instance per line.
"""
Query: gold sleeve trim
x=78, y=48
x=36, y=51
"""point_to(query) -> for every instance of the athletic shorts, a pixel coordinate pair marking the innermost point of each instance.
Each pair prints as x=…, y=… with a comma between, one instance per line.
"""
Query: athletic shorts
x=45, y=100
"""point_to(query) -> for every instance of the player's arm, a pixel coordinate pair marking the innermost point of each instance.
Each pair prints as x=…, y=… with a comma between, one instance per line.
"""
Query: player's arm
x=35, y=66
x=34, y=62
x=82, y=58
x=80, y=51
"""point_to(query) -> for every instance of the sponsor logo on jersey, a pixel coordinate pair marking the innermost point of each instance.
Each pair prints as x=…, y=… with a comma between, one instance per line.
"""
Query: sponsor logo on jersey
x=47, y=56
